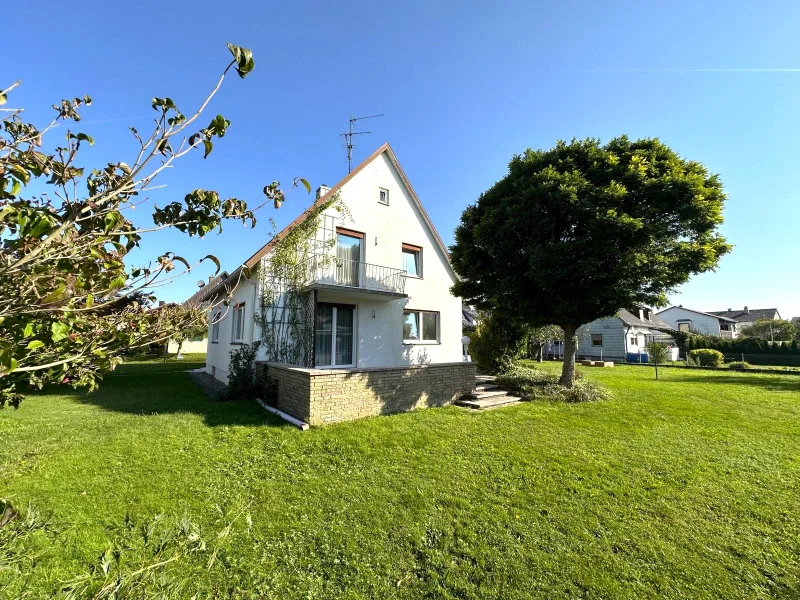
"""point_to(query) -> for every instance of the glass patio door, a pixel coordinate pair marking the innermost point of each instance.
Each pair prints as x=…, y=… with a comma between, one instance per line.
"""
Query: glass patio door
x=348, y=259
x=334, y=336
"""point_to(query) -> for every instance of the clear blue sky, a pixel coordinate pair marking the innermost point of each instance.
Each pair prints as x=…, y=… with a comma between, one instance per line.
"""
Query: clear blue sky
x=464, y=86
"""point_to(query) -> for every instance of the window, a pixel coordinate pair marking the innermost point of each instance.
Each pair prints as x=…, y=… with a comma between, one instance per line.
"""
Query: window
x=412, y=260
x=238, y=322
x=685, y=326
x=215, y=327
x=383, y=196
x=633, y=341
x=420, y=326
x=334, y=335
x=349, y=250
x=597, y=339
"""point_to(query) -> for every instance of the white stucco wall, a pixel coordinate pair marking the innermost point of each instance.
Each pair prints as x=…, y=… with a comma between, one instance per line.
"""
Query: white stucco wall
x=706, y=324
x=385, y=228
x=218, y=353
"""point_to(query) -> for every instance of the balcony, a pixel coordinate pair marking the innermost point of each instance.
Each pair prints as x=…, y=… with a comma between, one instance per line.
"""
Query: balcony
x=338, y=280
x=726, y=333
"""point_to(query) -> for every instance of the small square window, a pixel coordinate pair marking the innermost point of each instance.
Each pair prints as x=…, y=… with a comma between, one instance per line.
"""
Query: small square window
x=383, y=196
x=597, y=339
x=427, y=320
x=634, y=342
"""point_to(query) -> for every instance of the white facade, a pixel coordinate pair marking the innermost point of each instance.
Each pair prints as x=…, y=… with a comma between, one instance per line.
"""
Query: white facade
x=188, y=347
x=685, y=319
x=378, y=317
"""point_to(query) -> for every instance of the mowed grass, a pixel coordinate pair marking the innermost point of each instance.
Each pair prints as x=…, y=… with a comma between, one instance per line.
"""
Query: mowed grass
x=688, y=487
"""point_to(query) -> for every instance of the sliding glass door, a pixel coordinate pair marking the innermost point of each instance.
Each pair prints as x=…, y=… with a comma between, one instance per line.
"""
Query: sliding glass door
x=334, y=336
x=348, y=258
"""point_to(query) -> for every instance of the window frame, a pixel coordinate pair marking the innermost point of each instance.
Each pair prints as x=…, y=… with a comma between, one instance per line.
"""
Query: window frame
x=380, y=189
x=417, y=250
x=594, y=341
x=215, y=321
x=420, y=326
x=634, y=341
x=687, y=324
x=237, y=309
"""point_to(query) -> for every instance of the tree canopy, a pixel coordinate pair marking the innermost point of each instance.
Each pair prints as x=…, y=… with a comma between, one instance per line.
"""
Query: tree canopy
x=582, y=230
x=772, y=330
x=69, y=303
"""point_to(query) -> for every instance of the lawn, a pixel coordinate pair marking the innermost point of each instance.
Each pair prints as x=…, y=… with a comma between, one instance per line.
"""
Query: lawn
x=688, y=487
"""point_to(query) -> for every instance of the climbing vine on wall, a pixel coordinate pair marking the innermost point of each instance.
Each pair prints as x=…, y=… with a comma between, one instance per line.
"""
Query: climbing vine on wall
x=285, y=314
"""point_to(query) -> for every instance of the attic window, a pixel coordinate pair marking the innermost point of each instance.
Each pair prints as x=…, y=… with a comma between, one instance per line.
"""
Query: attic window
x=383, y=196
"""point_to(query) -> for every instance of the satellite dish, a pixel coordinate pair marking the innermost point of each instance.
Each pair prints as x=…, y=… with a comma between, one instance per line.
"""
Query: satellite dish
x=200, y=283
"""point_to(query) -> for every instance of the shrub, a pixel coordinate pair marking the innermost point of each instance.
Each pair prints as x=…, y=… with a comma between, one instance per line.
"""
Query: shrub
x=266, y=387
x=496, y=344
x=242, y=372
x=706, y=357
x=740, y=365
x=657, y=353
x=518, y=379
x=585, y=391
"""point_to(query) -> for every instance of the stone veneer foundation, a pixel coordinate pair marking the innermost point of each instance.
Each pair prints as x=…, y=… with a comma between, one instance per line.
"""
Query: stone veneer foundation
x=320, y=396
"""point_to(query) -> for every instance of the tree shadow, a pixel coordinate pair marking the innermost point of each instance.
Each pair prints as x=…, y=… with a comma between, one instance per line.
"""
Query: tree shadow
x=142, y=390
x=772, y=383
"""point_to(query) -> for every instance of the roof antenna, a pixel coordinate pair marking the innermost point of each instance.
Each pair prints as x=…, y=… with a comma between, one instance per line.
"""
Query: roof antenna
x=348, y=138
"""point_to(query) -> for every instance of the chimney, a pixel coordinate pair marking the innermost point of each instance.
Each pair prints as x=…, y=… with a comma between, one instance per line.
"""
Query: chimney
x=730, y=310
x=322, y=190
x=747, y=310
x=161, y=302
x=210, y=279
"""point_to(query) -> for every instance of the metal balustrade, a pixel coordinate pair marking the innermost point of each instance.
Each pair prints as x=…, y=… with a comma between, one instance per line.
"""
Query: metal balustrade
x=328, y=270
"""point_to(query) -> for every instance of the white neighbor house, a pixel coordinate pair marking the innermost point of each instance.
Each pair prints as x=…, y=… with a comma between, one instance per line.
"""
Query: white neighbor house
x=686, y=319
x=613, y=338
x=381, y=303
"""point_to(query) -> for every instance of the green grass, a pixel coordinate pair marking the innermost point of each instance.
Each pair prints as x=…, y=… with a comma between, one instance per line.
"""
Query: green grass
x=688, y=487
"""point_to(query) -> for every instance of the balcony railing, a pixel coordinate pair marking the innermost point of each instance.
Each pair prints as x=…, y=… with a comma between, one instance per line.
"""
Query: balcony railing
x=726, y=333
x=328, y=270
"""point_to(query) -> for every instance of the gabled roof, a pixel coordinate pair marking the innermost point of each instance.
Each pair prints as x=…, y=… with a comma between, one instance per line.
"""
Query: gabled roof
x=748, y=316
x=699, y=312
x=629, y=318
x=385, y=148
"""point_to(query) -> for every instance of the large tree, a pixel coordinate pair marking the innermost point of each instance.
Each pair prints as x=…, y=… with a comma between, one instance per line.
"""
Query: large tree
x=582, y=230
x=70, y=306
x=772, y=330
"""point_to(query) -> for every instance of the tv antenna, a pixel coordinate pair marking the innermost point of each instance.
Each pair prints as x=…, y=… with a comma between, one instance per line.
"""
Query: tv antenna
x=348, y=138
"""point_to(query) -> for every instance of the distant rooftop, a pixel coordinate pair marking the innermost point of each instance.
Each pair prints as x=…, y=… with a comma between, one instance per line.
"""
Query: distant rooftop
x=748, y=315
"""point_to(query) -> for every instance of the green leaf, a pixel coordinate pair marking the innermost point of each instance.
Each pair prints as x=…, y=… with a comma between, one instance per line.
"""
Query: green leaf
x=117, y=283
x=3, y=98
x=33, y=345
x=306, y=184
x=213, y=259
x=208, y=145
x=59, y=331
x=54, y=296
x=89, y=301
x=243, y=58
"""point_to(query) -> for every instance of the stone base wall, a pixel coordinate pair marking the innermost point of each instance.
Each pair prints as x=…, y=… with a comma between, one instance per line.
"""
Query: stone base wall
x=320, y=396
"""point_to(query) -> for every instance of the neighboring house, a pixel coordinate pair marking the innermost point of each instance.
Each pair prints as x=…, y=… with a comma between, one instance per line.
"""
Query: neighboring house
x=796, y=320
x=469, y=318
x=383, y=332
x=687, y=319
x=614, y=338
x=748, y=316
x=196, y=345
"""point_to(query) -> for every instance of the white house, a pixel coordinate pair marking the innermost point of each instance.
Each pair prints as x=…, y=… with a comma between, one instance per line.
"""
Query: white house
x=614, y=338
x=746, y=317
x=687, y=319
x=375, y=309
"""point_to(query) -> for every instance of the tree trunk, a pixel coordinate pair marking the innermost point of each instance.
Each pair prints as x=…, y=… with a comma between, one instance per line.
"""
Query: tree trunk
x=570, y=349
x=541, y=352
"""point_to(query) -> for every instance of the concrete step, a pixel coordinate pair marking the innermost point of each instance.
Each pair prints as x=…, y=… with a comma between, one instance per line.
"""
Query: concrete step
x=486, y=387
x=488, y=394
x=488, y=403
x=484, y=378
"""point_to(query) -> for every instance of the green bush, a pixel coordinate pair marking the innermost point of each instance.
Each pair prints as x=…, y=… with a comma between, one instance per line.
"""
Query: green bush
x=706, y=357
x=740, y=365
x=533, y=384
x=518, y=379
x=656, y=353
x=242, y=372
x=496, y=345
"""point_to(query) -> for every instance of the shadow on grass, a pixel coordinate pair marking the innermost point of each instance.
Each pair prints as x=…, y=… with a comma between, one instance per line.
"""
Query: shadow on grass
x=772, y=383
x=159, y=389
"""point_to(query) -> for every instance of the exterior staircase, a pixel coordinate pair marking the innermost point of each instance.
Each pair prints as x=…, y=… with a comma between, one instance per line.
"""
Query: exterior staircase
x=487, y=395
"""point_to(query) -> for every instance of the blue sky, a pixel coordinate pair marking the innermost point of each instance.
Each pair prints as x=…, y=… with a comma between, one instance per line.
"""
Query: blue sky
x=463, y=87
